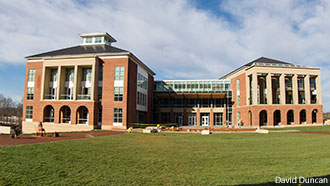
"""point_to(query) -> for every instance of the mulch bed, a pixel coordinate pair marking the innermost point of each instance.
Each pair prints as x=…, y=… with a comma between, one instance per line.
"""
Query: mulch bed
x=7, y=140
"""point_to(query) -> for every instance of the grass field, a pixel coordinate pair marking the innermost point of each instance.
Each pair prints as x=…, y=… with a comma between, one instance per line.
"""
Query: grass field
x=325, y=128
x=167, y=159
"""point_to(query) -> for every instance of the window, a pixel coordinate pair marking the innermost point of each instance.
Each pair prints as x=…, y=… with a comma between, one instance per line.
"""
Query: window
x=87, y=74
x=53, y=75
x=31, y=75
x=237, y=92
x=165, y=117
x=117, y=115
x=118, y=93
x=101, y=73
x=141, y=99
x=238, y=117
x=250, y=92
x=99, y=93
x=218, y=118
x=99, y=118
x=301, y=83
x=98, y=39
x=142, y=81
x=119, y=73
x=30, y=93
x=29, y=112
x=69, y=76
x=88, y=40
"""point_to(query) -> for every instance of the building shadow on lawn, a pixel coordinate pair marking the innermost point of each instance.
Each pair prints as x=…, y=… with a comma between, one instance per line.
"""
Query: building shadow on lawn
x=306, y=179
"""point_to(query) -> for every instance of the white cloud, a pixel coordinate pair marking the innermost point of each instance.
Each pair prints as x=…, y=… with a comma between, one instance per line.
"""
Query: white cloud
x=173, y=37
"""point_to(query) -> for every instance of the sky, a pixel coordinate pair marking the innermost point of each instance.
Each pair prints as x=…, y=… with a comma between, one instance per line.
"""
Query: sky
x=178, y=39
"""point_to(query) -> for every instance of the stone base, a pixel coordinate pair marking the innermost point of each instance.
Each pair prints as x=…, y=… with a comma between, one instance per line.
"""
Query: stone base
x=31, y=127
x=109, y=127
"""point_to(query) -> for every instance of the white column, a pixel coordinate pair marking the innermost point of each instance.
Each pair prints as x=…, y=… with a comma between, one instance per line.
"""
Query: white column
x=43, y=82
x=318, y=90
x=254, y=88
x=247, y=83
x=58, y=82
x=75, y=82
x=93, y=82
x=307, y=90
x=282, y=89
x=295, y=89
x=269, y=88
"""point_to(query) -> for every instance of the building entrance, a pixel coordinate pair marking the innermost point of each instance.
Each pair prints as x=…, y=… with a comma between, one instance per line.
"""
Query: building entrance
x=192, y=119
x=205, y=120
x=178, y=118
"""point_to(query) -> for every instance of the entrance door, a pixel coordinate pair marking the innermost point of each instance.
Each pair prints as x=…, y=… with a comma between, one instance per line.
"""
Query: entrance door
x=192, y=120
x=179, y=118
x=205, y=120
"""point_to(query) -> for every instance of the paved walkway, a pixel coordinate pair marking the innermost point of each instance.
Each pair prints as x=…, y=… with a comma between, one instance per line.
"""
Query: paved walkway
x=6, y=140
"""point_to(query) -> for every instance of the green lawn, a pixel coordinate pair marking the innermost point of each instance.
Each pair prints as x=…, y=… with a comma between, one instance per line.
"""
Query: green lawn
x=167, y=159
x=325, y=128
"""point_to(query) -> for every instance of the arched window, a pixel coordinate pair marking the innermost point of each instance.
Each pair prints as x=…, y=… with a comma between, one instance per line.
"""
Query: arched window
x=48, y=114
x=82, y=115
x=290, y=117
x=277, y=117
x=302, y=116
x=263, y=118
x=65, y=114
x=314, y=114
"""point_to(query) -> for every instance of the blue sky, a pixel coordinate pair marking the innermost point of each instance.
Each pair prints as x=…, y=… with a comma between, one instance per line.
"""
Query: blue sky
x=178, y=39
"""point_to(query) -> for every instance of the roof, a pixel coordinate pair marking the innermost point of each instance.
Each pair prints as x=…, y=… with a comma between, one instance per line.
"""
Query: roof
x=267, y=60
x=99, y=34
x=81, y=50
x=263, y=61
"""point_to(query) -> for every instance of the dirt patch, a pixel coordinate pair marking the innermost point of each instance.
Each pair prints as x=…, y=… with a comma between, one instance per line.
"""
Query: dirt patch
x=6, y=140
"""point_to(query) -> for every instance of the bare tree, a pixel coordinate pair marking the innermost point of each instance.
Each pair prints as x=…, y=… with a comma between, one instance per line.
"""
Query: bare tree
x=10, y=111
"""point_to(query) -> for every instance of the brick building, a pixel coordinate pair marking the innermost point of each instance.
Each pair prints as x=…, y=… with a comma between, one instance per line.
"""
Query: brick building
x=95, y=85
x=81, y=87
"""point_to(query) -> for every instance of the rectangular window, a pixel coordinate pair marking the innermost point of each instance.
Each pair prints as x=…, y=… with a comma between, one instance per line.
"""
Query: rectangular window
x=29, y=112
x=118, y=93
x=142, y=81
x=119, y=72
x=31, y=75
x=250, y=92
x=141, y=99
x=88, y=40
x=30, y=93
x=87, y=74
x=101, y=73
x=98, y=39
x=238, y=93
x=53, y=75
x=218, y=118
x=117, y=115
x=238, y=117
x=99, y=93
x=99, y=118
x=69, y=76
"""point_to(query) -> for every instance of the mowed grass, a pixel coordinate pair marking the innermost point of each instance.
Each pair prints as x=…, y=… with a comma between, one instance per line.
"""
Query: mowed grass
x=167, y=159
x=325, y=128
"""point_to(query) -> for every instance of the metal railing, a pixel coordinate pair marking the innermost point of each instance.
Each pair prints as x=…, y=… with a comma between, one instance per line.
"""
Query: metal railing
x=50, y=96
x=82, y=121
x=83, y=97
x=66, y=120
x=66, y=96
x=49, y=119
